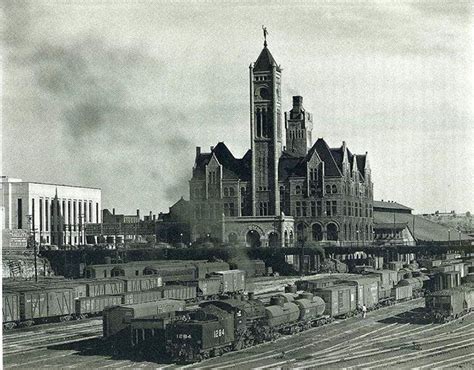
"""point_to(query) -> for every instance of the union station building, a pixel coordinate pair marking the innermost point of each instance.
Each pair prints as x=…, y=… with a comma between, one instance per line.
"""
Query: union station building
x=279, y=195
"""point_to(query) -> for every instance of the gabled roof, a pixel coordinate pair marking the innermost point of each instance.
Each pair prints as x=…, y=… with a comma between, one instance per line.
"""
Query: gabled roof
x=330, y=166
x=287, y=166
x=232, y=167
x=265, y=61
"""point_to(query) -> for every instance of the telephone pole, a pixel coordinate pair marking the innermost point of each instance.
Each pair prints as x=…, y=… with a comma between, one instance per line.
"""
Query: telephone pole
x=31, y=225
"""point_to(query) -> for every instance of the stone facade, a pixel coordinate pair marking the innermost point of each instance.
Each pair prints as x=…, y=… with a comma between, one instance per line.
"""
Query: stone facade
x=276, y=195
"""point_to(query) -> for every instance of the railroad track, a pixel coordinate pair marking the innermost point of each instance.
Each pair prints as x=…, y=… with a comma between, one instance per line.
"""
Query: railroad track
x=307, y=340
x=30, y=340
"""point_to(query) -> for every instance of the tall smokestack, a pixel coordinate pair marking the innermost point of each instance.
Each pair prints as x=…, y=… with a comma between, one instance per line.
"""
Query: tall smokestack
x=138, y=213
x=113, y=211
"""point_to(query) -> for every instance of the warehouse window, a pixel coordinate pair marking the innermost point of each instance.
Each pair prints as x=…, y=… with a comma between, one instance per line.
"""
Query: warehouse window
x=41, y=214
x=19, y=211
x=32, y=213
x=46, y=214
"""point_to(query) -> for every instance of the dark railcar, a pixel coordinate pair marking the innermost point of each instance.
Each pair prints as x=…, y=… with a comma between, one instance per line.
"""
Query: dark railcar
x=117, y=319
x=209, y=332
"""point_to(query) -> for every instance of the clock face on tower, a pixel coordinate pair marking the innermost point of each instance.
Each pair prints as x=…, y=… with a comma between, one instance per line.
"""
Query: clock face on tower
x=263, y=93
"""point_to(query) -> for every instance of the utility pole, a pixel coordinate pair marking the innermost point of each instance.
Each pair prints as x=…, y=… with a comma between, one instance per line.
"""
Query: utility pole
x=32, y=231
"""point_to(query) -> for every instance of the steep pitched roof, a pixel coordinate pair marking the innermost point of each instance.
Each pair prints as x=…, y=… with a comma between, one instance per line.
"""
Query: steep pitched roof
x=330, y=166
x=290, y=166
x=265, y=61
x=232, y=167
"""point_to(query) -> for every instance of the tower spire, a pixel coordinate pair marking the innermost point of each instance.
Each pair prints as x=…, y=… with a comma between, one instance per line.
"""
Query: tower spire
x=265, y=33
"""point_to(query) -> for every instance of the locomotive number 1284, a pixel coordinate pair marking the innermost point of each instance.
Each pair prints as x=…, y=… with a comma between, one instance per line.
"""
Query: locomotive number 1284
x=218, y=333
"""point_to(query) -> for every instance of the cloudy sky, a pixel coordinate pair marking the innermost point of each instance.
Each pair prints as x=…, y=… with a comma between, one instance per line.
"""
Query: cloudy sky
x=117, y=94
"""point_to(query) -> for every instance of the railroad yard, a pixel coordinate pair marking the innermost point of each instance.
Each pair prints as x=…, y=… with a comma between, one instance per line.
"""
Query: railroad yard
x=388, y=337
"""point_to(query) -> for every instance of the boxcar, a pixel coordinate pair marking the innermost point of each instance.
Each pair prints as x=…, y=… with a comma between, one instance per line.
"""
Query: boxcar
x=252, y=268
x=387, y=277
x=181, y=292
x=402, y=293
x=141, y=297
x=367, y=289
x=310, y=285
x=116, y=319
x=209, y=287
x=46, y=304
x=100, y=287
x=340, y=299
x=138, y=284
x=233, y=281
x=95, y=305
x=203, y=269
x=10, y=309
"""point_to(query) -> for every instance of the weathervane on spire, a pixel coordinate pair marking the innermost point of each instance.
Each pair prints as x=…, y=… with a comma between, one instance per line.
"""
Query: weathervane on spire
x=265, y=33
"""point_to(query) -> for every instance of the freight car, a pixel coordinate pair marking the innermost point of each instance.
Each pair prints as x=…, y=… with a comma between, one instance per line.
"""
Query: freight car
x=116, y=319
x=448, y=304
x=367, y=290
x=10, y=309
x=252, y=268
x=38, y=306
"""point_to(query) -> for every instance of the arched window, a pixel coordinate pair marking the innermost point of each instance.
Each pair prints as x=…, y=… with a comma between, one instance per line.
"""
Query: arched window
x=332, y=231
x=298, y=189
x=226, y=192
x=328, y=189
x=291, y=238
x=231, y=192
x=264, y=123
x=317, y=232
x=286, y=239
x=259, y=123
x=334, y=189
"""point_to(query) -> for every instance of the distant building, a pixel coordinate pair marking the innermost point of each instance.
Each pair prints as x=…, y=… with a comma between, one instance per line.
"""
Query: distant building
x=390, y=216
x=276, y=195
x=173, y=227
x=56, y=213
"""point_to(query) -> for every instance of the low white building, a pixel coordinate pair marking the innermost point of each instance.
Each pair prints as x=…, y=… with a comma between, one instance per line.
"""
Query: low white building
x=56, y=213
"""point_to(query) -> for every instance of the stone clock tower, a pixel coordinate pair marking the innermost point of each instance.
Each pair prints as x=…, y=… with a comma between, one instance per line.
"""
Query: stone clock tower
x=266, y=133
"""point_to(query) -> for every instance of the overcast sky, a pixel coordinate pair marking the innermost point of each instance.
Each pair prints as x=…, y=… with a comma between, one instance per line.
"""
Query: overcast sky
x=117, y=94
